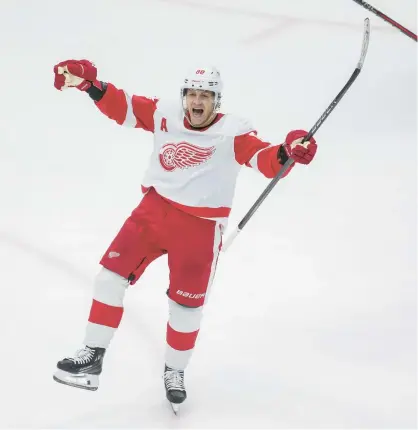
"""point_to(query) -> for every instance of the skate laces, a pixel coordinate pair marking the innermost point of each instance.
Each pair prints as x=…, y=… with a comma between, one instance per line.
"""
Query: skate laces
x=174, y=379
x=82, y=356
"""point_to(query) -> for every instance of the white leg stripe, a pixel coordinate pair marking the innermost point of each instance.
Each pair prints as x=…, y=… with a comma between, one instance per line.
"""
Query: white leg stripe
x=177, y=359
x=130, y=120
x=110, y=288
x=98, y=336
x=182, y=319
x=216, y=244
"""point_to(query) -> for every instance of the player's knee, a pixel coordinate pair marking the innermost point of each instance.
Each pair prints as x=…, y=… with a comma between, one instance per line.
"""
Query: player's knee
x=110, y=288
x=184, y=319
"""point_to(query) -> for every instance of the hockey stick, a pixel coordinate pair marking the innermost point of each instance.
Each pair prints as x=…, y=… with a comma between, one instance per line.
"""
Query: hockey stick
x=387, y=19
x=312, y=131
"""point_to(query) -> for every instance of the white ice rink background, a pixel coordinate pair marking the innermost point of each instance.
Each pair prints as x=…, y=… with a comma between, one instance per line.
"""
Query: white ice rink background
x=312, y=317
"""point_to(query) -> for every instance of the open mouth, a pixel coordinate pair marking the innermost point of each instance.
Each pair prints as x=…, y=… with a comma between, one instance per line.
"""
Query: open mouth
x=197, y=112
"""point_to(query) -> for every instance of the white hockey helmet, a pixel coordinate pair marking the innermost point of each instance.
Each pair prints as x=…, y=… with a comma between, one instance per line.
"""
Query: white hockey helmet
x=204, y=78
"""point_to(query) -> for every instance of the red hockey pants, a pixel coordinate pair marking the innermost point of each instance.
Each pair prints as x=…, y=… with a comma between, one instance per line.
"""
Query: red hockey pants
x=156, y=228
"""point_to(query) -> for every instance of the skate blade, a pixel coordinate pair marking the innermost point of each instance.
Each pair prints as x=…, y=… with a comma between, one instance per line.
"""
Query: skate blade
x=83, y=380
x=175, y=407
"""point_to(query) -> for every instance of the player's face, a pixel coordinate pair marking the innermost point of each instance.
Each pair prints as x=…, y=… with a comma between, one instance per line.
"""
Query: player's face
x=200, y=106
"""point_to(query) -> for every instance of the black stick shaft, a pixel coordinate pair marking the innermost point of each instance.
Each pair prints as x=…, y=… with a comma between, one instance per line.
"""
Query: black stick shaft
x=289, y=162
x=312, y=131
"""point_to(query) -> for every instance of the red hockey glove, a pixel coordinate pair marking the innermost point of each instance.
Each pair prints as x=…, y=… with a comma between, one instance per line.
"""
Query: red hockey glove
x=81, y=74
x=302, y=153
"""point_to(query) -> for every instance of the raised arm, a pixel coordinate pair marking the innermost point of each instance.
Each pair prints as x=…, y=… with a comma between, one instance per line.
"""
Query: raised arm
x=116, y=104
x=267, y=158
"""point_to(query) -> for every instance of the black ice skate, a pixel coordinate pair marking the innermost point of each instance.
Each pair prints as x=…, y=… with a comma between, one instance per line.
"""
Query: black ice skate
x=174, y=387
x=82, y=370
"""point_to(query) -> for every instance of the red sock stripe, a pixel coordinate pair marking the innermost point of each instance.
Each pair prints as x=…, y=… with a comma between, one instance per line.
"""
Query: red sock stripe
x=107, y=315
x=181, y=341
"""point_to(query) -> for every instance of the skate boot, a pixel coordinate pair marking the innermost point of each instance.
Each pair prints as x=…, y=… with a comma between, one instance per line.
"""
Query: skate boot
x=174, y=387
x=82, y=370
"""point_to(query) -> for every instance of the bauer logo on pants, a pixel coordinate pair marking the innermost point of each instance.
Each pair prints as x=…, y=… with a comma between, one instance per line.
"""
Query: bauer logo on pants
x=183, y=155
x=190, y=295
x=113, y=254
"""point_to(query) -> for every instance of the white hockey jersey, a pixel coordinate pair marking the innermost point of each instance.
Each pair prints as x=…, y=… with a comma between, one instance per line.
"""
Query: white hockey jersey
x=195, y=169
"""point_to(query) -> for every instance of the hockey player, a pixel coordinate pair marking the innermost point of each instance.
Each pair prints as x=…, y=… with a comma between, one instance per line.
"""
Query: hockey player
x=188, y=191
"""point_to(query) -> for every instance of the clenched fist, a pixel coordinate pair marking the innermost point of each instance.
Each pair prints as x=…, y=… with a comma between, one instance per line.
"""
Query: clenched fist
x=302, y=153
x=81, y=74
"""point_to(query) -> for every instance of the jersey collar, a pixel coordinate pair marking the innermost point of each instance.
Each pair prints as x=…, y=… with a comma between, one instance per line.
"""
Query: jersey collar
x=187, y=124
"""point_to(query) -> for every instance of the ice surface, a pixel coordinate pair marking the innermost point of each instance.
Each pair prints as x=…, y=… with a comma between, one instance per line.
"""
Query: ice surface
x=312, y=319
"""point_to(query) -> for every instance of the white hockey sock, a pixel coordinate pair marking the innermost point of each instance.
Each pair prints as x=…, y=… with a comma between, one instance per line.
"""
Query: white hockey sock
x=107, y=308
x=182, y=330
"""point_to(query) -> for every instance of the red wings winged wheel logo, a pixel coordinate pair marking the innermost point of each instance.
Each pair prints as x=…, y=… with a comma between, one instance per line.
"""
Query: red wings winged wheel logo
x=183, y=155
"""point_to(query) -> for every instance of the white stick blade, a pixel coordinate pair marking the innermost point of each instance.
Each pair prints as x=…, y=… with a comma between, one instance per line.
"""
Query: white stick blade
x=366, y=38
x=230, y=239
